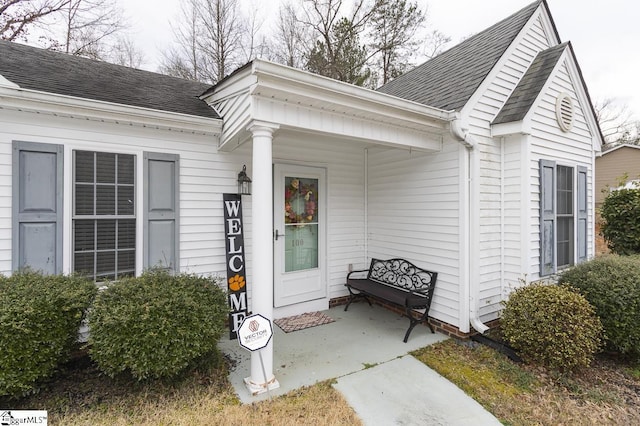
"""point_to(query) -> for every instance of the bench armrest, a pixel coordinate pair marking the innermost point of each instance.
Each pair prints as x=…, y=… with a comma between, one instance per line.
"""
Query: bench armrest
x=363, y=272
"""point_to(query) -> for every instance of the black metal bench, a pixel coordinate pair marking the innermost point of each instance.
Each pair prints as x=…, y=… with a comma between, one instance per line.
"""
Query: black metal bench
x=399, y=282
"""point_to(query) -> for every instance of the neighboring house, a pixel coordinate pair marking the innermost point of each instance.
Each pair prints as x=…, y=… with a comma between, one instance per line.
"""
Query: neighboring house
x=614, y=167
x=478, y=164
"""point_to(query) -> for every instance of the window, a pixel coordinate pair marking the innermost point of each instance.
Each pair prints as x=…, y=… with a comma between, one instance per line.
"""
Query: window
x=563, y=216
x=106, y=217
x=104, y=220
x=564, y=195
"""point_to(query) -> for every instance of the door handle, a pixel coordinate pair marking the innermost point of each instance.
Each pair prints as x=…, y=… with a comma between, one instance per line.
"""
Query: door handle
x=276, y=235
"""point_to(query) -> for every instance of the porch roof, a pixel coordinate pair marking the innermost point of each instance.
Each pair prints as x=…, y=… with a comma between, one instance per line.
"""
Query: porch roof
x=298, y=100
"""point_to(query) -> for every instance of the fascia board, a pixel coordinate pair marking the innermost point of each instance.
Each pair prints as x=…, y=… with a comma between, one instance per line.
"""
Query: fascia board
x=512, y=128
x=288, y=81
x=6, y=83
x=69, y=106
x=583, y=97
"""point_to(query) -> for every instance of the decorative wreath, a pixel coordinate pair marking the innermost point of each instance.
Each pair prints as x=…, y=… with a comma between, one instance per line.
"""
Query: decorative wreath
x=295, y=210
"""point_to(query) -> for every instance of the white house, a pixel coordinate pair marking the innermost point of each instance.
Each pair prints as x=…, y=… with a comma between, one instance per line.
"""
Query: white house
x=478, y=164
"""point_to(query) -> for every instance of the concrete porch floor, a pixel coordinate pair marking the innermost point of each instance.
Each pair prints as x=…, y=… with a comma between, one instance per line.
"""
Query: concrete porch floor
x=364, y=352
x=361, y=337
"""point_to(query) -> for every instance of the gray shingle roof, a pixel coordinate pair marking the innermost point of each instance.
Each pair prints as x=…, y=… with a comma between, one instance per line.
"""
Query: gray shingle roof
x=55, y=72
x=450, y=79
x=530, y=85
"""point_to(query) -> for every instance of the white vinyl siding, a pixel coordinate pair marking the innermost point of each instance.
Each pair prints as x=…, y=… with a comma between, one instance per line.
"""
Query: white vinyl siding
x=499, y=248
x=573, y=149
x=204, y=176
x=414, y=213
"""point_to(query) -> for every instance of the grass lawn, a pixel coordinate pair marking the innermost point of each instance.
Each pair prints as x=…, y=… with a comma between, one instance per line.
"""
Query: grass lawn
x=79, y=395
x=606, y=393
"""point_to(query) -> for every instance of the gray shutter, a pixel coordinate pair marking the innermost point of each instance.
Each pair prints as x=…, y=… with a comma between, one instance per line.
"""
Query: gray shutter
x=161, y=207
x=37, y=207
x=583, y=213
x=547, y=217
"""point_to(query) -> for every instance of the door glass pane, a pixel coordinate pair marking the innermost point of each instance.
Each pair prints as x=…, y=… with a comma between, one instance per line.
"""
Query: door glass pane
x=301, y=223
x=301, y=247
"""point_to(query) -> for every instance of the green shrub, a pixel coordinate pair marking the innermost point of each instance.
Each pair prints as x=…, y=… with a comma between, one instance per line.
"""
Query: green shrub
x=552, y=325
x=612, y=285
x=156, y=325
x=620, y=212
x=39, y=320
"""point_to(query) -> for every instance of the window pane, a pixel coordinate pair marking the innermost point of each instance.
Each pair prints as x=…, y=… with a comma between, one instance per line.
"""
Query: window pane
x=125, y=169
x=84, y=235
x=83, y=263
x=127, y=234
x=125, y=200
x=106, y=200
x=106, y=234
x=565, y=190
x=565, y=241
x=84, y=166
x=84, y=199
x=104, y=248
x=106, y=264
x=126, y=263
x=105, y=167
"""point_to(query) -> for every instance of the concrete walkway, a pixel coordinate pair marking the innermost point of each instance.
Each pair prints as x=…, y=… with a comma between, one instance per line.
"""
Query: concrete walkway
x=404, y=391
x=363, y=350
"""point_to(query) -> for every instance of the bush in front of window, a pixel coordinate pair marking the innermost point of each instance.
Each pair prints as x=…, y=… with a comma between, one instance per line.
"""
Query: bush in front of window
x=553, y=326
x=156, y=325
x=39, y=320
x=612, y=285
x=620, y=213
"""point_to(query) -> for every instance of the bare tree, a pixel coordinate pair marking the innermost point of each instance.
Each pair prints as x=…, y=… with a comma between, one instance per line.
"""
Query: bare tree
x=18, y=16
x=291, y=37
x=617, y=122
x=185, y=59
x=252, y=45
x=125, y=53
x=208, y=41
x=434, y=43
x=222, y=35
x=88, y=25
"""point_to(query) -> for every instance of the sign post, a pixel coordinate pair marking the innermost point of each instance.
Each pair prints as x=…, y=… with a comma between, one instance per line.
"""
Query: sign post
x=254, y=334
x=236, y=272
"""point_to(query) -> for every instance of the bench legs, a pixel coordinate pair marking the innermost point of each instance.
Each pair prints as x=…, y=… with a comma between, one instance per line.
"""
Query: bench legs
x=423, y=318
x=353, y=296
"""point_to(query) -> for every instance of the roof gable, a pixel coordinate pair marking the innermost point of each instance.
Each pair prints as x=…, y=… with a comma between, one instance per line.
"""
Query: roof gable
x=58, y=73
x=450, y=79
x=625, y=147
x=531, y=84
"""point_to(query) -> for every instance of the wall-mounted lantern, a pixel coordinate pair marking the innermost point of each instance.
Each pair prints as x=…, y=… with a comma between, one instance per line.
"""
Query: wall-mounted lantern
x=244, y=182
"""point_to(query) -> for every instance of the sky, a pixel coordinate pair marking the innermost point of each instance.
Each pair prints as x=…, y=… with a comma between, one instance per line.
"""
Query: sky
x=605, y=34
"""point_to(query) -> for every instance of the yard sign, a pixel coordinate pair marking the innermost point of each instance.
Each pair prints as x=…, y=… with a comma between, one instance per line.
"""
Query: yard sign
x=236, y=272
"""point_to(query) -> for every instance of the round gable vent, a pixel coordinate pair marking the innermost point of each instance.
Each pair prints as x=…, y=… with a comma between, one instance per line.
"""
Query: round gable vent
x=564, y=111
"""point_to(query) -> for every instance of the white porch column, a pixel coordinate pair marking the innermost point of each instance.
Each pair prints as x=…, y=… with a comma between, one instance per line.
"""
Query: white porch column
x=262, y=250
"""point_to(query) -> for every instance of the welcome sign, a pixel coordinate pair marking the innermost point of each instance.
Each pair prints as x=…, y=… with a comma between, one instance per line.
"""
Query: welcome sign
x=236, y=275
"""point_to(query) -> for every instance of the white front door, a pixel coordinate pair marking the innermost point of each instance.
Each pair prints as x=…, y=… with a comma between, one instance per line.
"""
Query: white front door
x=299, y=223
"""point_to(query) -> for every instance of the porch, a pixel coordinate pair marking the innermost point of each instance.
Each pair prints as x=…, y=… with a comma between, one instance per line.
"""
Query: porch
x=361, y=337
x=363, y=350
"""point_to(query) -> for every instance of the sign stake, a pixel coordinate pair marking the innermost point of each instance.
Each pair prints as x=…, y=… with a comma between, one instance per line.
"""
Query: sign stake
x=264, y=373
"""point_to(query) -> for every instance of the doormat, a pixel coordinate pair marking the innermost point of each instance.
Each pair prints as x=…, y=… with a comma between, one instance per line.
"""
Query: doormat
x=300, y=322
